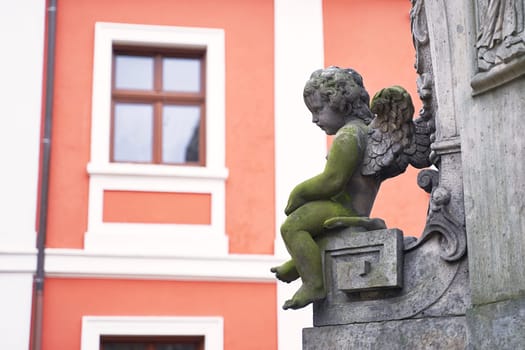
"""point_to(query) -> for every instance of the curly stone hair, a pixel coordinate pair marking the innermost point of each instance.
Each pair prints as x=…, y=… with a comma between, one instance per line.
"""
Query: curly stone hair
x=342, y=89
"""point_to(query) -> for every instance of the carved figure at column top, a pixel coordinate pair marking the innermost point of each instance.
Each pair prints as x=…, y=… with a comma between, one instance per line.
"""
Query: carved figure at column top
x=371, y=144
x=501, y=34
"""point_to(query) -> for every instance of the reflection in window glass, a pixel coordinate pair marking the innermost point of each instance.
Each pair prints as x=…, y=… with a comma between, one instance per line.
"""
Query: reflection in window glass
x=133, y=72
x=176, y=347
x=133, y=133
x=181, y=74
x=148, y=346
x=124, y=346
x=180, y=134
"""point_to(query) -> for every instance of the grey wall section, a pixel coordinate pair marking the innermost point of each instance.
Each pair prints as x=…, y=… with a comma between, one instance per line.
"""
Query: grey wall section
x=480, y=109
x=490, y=125
x=416, y=334
x=498, y=325
x=494, y=180
x=489, y=121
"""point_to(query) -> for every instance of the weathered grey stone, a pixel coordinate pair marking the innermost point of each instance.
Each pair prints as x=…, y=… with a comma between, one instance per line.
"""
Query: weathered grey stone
x=471, y=66
x=489, y=125
x=438, y=333
x=456, y=299
x=427, y=280
x=497, y=326
x=500, y=43
x=484, y=105
x=495, y=193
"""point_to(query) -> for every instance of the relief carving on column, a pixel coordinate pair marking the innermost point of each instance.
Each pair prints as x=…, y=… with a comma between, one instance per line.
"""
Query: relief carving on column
x=500, y=32
x=500, y=42
x=440, y=220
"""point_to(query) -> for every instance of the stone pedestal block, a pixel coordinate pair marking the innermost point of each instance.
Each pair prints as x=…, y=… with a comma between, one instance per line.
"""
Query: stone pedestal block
x=365, y=261
x=445, y=333
x=370, y=278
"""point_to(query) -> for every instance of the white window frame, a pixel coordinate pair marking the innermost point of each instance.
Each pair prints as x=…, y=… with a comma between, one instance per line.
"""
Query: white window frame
x=103, y=175
x=95, y=327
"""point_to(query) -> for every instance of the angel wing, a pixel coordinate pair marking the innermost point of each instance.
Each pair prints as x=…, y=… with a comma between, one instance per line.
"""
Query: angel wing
x=394, y=139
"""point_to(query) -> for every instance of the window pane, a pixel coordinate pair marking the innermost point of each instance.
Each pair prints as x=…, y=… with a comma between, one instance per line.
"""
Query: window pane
x=133, y=132
x=134, y=72
x=181, y=74
x=176, y=347
x=143, y=346
x=124, y=346
x=180, y=134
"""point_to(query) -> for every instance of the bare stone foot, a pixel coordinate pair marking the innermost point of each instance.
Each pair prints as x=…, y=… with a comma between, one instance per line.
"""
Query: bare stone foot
x=286, y=272
x=304, y=296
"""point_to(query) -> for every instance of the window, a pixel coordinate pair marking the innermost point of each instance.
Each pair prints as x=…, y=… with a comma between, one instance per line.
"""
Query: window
x=158, y=105
x=143, y=332
x=151, y=343
x=149, y=80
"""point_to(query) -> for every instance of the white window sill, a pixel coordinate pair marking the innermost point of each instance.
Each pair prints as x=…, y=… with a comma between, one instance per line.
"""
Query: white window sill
x=155, y=170
x=156, y=238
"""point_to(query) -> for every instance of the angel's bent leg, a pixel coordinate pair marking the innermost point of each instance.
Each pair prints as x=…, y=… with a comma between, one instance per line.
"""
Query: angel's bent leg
x=307, y=257
x=298, y=232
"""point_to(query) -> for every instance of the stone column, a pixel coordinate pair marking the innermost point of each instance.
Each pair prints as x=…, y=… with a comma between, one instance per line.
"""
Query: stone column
x=478, y=52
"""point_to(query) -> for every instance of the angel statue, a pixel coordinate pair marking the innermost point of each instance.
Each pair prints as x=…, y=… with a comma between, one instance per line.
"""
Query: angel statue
x=371, y=144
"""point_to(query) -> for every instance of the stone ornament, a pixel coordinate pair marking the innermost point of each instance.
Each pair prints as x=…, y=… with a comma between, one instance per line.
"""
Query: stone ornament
x=371, y=144
x=440, y=221
x=500, y=43
x=423, y=66
x=371, y=260
x=501, y=35
x=429, y=285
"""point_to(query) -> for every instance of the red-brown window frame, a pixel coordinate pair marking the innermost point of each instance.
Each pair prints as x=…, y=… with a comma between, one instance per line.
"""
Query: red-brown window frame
x=152, y=341
x=159, y=98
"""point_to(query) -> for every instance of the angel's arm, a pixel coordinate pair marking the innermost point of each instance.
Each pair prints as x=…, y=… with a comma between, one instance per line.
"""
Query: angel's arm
x=344, y=157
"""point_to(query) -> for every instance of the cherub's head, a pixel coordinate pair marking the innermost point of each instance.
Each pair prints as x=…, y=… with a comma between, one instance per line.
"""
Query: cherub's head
x=343, y=91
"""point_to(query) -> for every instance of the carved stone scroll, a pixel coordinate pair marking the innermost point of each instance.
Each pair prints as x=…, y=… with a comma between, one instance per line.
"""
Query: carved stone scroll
x=440, y=220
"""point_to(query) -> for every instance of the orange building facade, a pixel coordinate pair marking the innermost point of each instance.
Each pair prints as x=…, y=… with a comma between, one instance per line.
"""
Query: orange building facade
x=165, y=248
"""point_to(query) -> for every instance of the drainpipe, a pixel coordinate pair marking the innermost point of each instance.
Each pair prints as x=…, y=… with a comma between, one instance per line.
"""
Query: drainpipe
x=44, y=176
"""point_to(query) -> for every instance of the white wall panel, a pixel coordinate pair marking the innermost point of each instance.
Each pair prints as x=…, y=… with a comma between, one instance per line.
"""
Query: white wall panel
x=300, y=146
x=21, y=64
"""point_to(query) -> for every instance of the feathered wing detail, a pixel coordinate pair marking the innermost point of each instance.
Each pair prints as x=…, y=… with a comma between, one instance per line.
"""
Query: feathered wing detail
x=420, y=156
x=394, y=139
